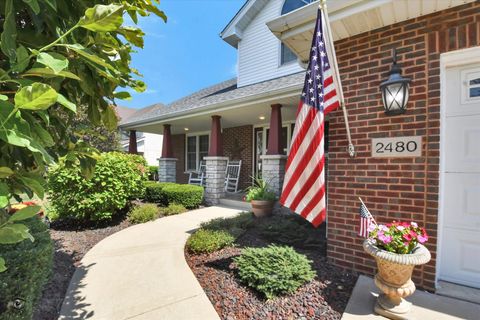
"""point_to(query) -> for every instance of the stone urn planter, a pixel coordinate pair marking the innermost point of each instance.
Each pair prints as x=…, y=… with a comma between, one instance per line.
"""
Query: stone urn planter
x=262, y=208
x=394, y=278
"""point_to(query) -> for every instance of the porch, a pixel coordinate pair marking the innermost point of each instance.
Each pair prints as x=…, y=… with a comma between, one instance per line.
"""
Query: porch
x=256, y=130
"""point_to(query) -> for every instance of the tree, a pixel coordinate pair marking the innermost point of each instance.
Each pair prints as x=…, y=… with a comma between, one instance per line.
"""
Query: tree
x=57, y=56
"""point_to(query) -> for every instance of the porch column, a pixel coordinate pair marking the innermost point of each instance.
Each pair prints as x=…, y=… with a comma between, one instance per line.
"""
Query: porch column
x=216, y=165
x=132, y=144
x=167, y=164
x=273, y=163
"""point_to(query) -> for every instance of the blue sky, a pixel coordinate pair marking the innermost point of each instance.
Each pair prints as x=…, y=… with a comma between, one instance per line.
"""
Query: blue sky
x=186, y=53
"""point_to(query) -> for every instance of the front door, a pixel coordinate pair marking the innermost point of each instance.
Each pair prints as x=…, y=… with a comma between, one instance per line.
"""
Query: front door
x=460, y=198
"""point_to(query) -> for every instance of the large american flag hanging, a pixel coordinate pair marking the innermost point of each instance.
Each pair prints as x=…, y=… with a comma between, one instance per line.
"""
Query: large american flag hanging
x=304, y=183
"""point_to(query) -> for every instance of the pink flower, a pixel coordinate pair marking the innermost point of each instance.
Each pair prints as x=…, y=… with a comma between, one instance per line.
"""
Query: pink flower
x=385, y=239
x=382, y=227
x=407, y=237
x=422, y=239
x=414, y=224
x=371, y=227
x=400, y=228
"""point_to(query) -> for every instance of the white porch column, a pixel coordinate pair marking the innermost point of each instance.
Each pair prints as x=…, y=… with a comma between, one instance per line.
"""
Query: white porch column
x=167, y=170
x=273, y=171
x=215, y=179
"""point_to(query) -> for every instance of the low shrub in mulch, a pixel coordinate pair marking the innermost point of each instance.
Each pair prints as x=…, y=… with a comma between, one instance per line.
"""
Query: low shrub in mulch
x=323, y=297
x=144, y=213
x=173, y=209
x=166, y=193
x=274, y=270
x=206, y=241
x=29, y=268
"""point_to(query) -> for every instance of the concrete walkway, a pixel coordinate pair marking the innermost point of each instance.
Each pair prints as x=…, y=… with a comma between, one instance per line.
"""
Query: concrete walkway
x=141, y=273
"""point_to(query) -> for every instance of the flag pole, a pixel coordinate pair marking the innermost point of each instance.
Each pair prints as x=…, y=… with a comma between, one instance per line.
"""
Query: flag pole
x=351, y=147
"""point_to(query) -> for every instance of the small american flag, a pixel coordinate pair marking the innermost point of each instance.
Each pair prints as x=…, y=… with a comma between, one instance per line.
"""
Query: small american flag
x=366, y=219
x=304, y=183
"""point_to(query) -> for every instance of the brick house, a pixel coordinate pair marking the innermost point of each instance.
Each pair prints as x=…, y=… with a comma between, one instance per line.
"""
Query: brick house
x=251, y=118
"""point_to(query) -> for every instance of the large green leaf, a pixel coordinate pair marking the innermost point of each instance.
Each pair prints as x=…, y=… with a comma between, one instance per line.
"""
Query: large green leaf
x=2, y=265
x=124, y=95
x=88, y=54
x=102, y=18
x=13, y=233
x=5, y=172
x=38, y=96
x=110, y=118
x=24, y=213
x=67, y=104
x=8, y=38
x=34, y=5
x=22, y=59
x=53, y=60
x=49, y=73
x=44, y=136
x=4, y=193
x=133, y=35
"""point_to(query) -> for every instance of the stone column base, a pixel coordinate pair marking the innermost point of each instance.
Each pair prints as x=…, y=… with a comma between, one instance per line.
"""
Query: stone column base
x=215, y=179
x=273, y=171
x=167, y=170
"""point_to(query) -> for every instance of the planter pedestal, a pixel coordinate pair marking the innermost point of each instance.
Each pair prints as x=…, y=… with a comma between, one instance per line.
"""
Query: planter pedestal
x=394, y=279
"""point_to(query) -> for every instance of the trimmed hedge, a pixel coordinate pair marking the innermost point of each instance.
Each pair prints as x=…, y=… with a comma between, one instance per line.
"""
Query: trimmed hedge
x=118, y=178
x=144, y=213
x=207, y=241
x=29, y=267
x=166, y=193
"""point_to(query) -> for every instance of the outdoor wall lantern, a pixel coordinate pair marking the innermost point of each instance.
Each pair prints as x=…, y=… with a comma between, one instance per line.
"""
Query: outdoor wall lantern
x=395, y=90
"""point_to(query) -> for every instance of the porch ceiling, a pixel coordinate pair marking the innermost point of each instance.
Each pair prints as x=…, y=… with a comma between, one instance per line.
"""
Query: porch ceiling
x=231, y=117
x=349, y=18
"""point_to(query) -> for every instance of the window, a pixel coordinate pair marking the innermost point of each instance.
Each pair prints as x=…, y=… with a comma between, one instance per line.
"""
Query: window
x=290, y=5
x=286, y=55
x=474, y=88
x=196, y=148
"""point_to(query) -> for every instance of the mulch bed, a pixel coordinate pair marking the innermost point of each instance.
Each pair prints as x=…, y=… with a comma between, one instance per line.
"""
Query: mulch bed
x=72, y=242
x=323, y=298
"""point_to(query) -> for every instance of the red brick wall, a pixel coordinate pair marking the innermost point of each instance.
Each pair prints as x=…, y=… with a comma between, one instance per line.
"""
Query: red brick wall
x=405, y=189
x=178, y=142
x=240, y=138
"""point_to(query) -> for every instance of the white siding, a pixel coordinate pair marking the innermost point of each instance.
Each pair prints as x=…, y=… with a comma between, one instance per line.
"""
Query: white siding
x=259, y=49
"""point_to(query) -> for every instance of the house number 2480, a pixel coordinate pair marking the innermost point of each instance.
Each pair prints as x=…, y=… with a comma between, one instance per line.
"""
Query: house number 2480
x=397, y=147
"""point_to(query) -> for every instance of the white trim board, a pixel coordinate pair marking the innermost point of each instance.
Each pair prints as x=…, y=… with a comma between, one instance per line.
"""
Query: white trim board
x=447, y=60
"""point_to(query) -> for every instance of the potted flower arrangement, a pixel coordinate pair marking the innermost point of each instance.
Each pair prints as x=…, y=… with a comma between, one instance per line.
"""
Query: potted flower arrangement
x=397, y=248
x=261, y=198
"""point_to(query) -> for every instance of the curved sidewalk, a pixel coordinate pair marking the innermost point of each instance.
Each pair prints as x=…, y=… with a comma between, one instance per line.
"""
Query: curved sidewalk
x=141, y=273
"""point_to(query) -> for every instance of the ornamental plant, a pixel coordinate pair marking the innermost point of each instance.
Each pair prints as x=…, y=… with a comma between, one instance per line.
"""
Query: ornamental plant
x=57, y=57
x=260, y=190
x=398, y=237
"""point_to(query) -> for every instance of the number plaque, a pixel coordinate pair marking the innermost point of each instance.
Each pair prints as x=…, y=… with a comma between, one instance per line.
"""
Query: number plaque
x=397, y=147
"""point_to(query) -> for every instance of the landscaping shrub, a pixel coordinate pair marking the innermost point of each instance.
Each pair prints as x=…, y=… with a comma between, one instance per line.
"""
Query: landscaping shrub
x=29, y=267
x=274, y=270
x=236, y=226
x=207, y=241
x=144, y=213
x=118, y=177
x=166, y=193
x=173, y=209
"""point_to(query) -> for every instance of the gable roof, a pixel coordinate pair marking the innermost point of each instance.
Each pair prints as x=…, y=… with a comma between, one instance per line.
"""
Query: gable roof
x=220, y=94
x=232, y=33
x=125, y=114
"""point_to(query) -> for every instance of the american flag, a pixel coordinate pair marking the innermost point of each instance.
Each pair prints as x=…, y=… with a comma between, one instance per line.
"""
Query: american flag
x=366, y=219
x=304, y=182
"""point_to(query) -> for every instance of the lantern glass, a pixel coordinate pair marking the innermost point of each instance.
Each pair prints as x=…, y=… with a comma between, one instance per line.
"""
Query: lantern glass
x=395, y=97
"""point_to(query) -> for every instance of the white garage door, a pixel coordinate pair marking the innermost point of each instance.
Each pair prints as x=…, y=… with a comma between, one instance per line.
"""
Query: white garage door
x=460, y=199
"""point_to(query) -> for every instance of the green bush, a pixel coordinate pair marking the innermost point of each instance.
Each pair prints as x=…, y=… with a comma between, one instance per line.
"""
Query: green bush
x=236, y=226
x=173, y=209
x=274, y=270
x=207, y=241
x=118, y=177
x=166, y=193
x=144, y=213
x=29, y=267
